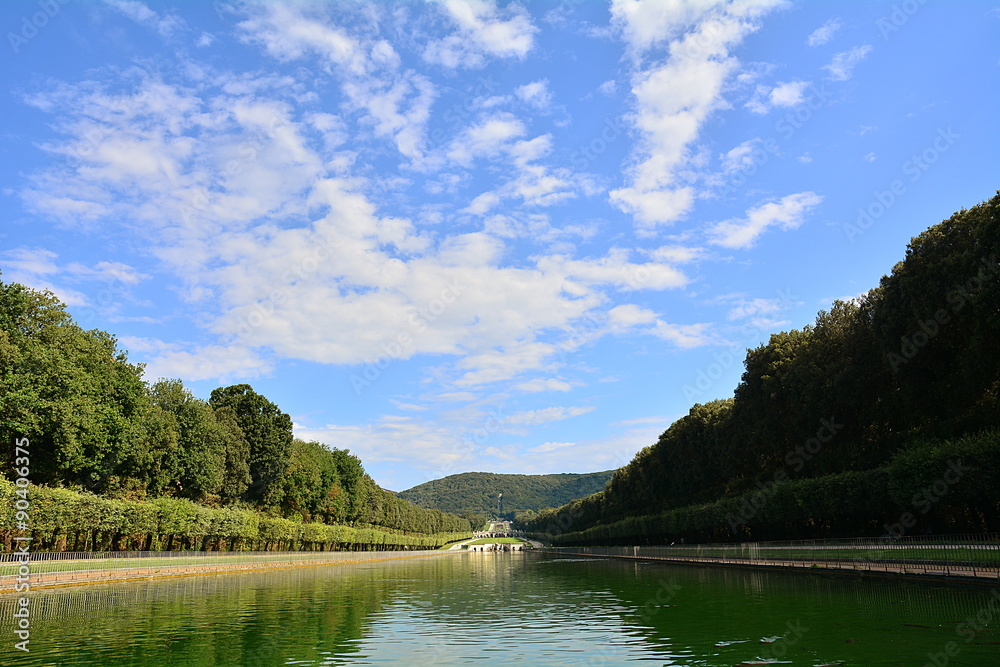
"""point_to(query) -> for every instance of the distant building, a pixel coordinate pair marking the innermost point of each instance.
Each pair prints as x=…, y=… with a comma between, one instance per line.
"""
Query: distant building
x=497, y=547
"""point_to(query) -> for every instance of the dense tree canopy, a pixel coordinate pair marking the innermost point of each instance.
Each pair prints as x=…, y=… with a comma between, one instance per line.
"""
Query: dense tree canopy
x=475, y=493
x=70, y=390
x=914, y=361
x=96, y=426
x=268, y=432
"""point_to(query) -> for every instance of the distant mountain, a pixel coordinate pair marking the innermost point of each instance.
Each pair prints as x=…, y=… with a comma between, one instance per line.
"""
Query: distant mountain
x=477, y=492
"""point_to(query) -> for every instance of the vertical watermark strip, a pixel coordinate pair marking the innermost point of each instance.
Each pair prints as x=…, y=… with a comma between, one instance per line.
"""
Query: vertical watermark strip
x=22, y=503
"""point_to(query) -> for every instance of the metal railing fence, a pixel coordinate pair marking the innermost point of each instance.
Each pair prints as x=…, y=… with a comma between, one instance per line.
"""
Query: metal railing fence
x=975, y=555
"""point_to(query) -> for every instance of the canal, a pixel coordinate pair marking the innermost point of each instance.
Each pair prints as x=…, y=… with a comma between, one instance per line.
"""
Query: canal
x=509, y=609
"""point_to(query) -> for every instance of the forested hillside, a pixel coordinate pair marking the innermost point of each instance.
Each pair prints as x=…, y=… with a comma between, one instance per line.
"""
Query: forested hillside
x=879, y=418
x=476, y=492
x=96, y=427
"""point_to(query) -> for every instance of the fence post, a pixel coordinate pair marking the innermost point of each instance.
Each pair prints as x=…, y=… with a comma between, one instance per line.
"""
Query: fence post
x=972, y=555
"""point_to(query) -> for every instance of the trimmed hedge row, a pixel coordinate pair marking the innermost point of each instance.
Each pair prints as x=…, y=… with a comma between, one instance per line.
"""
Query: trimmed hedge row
x=944, y=486
x=61, y=519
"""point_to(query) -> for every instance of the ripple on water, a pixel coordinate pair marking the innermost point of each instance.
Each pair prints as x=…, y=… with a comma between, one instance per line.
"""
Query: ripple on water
x=500, y=610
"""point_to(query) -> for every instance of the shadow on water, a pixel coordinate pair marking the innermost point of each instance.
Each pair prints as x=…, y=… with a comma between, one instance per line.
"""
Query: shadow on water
x=507, y=609
x=729, y=616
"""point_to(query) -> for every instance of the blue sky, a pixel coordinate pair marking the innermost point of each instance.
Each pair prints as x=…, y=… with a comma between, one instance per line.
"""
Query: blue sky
x=455, y=236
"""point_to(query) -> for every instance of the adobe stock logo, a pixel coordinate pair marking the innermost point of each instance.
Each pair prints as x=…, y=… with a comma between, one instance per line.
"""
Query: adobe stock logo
x=30, y=26
x=914, y=168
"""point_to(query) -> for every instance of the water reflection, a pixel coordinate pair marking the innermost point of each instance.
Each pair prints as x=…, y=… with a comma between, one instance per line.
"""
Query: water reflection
x=722, y=616
x=503, y=609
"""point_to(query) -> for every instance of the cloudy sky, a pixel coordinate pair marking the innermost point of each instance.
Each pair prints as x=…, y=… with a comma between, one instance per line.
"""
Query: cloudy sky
x=466, y=235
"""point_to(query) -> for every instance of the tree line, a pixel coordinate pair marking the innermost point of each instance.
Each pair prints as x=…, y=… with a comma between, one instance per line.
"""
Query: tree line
x=97, y=427
x=63, y=519
x=858, y=398
x=474, y=494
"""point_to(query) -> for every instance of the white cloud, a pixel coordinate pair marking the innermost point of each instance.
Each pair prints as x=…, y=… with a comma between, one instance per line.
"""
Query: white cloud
x=761, y=313
x=825, y=32
x=222, y=363
x=498, y=365
x=609, y=87
x=629, y=315
x=786, y=214
x=675, y=97
x=434, y=447
x=599, y=453
x=108, y=271
x=32, y=261
x=395, y=102
x=546, y=415
x=551, y=447
x=68, y=209
x=427, y=448
x=536, y=94
x=536, y=185
x=166, y=25
x=684, y=336
x=417, y=445
x=488, y=138
x=482, y=29
x=842, y=66
x=279, y=244
x=456, y=397
x=539, y=385
x=786, y=94
x=615, y=269
x=645, y=23
x=536, y=226
x=407, y=447
x=676, y=254
x=287, y=34
x=37, y=268
x=742, y=156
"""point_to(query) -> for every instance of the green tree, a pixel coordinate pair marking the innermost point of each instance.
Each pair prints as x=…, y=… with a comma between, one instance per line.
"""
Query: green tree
x=236, y=474
x=938, y=320
x=268, y=432
x=150, y=463
x=71, y=391
x=204, y=443
x=309, y=480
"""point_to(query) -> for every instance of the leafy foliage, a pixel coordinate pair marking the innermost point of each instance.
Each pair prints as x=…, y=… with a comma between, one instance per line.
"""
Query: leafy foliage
x=71, y=391
x=843, y=410
x=268, y=431
x=65, y=519
x=476, y=493
x=95, y=426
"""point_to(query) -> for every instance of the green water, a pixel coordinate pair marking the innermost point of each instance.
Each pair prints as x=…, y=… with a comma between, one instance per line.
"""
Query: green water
x=508, y=609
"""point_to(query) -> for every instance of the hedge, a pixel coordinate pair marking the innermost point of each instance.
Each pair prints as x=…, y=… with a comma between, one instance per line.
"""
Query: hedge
x=63, y=519
x=944, y=486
